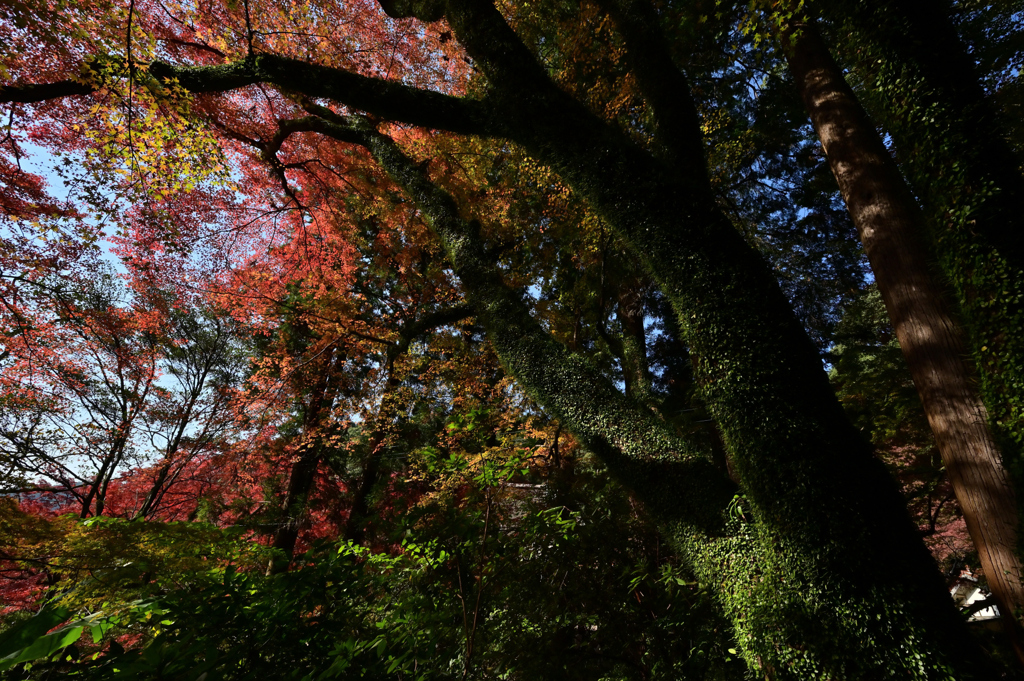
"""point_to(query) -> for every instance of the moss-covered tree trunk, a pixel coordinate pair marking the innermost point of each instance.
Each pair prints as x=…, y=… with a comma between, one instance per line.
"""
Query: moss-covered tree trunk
x=842, y=594
x=891, y=227
x=831, y=581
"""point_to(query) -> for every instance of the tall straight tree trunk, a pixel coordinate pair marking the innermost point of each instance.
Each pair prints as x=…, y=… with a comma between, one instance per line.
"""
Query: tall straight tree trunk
x=925, y=90
x=917, y=41
x=891, y=227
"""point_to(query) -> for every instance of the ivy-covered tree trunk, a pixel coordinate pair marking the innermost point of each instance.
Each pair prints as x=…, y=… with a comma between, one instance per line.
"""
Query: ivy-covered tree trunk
x=891, y=228
x=796, y=599
x=824, y=505
x=831, y=580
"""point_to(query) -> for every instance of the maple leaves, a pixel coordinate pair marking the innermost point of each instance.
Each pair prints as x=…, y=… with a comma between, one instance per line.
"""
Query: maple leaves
x=332, y=268
x=294, y=237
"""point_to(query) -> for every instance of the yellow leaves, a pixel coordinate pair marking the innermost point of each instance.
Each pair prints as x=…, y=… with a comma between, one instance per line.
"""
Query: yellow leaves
x=713, y=121
x=149, y=142
x=108, y=562
x=16, y=526
x=766, y=18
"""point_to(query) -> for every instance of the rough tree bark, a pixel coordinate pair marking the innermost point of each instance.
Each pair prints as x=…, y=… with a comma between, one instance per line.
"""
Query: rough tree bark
x=891, y=227
x=920, y=44
x=832, y=545
x=924, y=88
x=638, y=448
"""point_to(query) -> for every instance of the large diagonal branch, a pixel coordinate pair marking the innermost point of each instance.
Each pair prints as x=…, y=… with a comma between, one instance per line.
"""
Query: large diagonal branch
x=95, y=70
x=389, y=99
x=670, y=475
x=31, y=93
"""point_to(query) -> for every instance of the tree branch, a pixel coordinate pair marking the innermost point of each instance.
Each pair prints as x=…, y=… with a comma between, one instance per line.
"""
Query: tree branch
x=508, y=64
x=631, y=440
x=388, y=99
x=664, y=86
x=442, y=317
x=41, y=92
x=425, y=10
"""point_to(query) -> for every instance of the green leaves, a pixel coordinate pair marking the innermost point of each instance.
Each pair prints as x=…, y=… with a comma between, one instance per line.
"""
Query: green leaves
x=21, y=637
x=29, y=640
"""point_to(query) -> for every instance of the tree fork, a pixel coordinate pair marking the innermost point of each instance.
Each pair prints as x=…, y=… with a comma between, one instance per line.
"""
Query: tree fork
x=835, y=547
x=825, y=503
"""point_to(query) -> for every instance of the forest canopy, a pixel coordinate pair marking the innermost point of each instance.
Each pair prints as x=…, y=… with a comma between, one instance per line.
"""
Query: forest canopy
x=433, y=339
